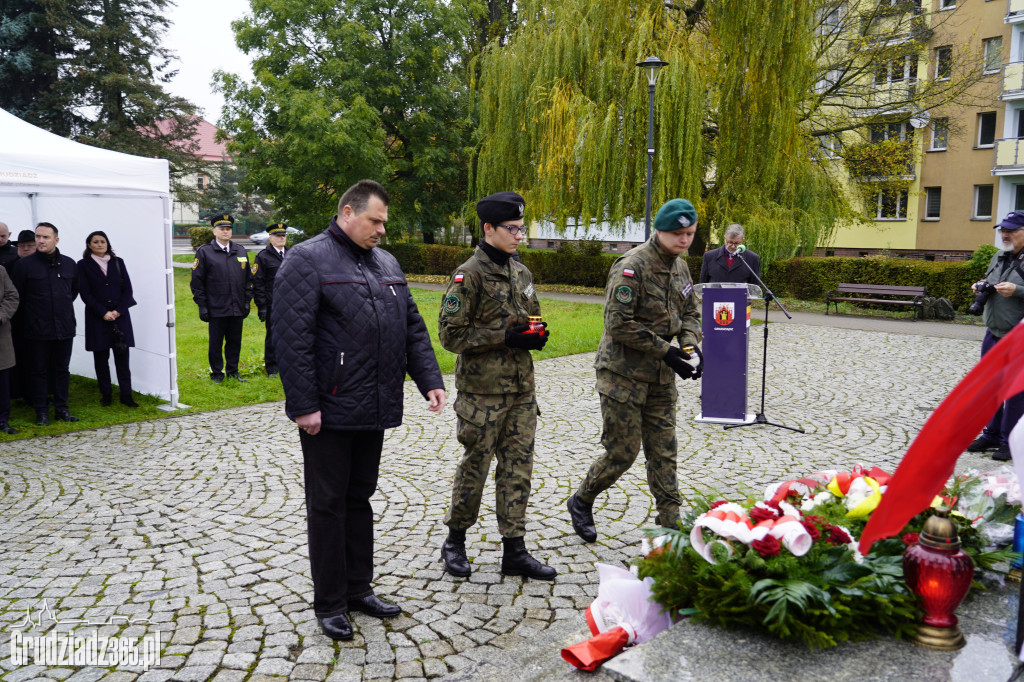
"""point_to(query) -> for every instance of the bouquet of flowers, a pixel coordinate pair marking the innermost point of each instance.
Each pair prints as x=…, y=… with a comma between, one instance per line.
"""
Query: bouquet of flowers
x=788, y=562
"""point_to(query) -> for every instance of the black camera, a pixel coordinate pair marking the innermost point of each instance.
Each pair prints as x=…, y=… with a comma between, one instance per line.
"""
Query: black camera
x=984, y=290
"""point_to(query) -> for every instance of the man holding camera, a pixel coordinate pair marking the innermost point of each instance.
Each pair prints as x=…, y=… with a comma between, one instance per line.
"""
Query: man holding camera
x=1001, y=294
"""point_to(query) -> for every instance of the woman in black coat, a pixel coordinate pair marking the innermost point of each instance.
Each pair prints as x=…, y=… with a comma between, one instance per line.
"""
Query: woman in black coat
x=106, y=291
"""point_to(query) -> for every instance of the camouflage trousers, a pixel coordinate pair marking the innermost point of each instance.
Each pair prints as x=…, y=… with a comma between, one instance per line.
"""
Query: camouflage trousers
x=489, y=425
x=637, y=413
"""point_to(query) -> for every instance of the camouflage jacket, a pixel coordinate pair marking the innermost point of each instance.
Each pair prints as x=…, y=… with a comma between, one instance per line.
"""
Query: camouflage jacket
x=482, y=301
x=648, y=300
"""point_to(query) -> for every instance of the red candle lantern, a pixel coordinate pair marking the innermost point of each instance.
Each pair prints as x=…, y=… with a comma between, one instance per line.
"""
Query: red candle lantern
x=940, y=573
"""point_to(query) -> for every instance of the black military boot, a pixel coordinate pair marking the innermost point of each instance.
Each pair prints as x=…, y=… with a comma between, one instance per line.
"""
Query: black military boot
x=582, y=515
x=515, y=560
x=453, y=554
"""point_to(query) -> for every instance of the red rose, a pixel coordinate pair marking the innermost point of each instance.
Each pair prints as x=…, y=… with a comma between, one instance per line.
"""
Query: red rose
x=814, y=519
x=716, y=505
x=774, y=505
x=759, y=514
x=766, y=547
x=838, y=536
x=812, y=530
x=910, y=538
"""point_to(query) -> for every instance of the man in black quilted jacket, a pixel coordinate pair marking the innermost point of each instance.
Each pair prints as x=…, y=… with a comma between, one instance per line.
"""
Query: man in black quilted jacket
x=345, y=341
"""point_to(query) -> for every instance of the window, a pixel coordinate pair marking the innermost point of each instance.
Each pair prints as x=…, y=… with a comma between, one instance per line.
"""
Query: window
x=830, y=20
x=932, y=202
x=987, y=129
x=830, y=145
x=200, y=181
x=896, y=71
x=940, y=133
x=1018, y=197
x=890, y=131
x=828, y=80
x=891, y=205
x=947, y=4
x=982, y=202
x=993, y=54
x=943, y=63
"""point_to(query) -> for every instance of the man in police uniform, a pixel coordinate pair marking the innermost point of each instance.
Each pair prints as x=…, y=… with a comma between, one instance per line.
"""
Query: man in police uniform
x=484, y=319
x=649, y=301
x=222, y=288
x=263, y=272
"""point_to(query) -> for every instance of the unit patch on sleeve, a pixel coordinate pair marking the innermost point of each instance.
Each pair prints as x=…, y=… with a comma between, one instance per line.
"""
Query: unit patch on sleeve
x=688, y=289
x=624, y=294
x=452, y=304
x=255, y=268
x=195, y=264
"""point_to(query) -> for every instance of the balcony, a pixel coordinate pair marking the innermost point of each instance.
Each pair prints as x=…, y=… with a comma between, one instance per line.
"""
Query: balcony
x=1009, y=156
x=1013, y=80
x=1014, y=11
x=892, y=97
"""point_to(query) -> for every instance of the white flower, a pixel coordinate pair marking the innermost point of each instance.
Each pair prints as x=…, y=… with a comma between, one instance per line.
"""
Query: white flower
x=812, y=502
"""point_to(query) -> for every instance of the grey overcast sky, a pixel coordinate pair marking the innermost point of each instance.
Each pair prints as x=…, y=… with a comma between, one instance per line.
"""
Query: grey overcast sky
x=201, y=36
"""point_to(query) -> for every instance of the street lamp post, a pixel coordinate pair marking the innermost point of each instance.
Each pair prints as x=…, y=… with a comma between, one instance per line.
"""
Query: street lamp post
x=653, y=65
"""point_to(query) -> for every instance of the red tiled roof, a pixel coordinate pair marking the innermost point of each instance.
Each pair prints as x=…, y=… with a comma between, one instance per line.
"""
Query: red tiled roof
x=209, y=148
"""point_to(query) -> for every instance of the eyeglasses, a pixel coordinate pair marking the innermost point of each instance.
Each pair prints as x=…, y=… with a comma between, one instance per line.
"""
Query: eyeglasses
x=514, y=229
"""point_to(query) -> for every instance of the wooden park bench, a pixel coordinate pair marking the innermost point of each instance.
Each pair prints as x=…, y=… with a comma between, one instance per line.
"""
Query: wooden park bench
x=870, y=293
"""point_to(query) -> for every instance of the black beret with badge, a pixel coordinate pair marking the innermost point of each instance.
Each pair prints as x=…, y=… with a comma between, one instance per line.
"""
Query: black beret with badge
x=222, y=219
x=501, y=206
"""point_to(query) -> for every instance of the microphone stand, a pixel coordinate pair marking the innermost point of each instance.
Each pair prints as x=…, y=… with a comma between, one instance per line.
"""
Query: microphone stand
x=769, y=296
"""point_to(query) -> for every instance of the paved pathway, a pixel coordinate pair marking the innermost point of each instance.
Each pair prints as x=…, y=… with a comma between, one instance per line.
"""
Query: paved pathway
x=196, y=523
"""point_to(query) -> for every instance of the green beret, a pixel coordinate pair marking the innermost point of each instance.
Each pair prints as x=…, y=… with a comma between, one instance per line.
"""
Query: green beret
x=675, y=215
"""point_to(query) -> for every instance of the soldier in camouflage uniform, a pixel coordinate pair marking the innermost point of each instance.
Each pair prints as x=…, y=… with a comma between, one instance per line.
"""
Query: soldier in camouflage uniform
x=649, y=301
x=483, y=318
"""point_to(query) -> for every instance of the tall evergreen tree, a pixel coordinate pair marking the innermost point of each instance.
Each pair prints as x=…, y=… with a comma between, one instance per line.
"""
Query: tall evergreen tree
x=36, y=38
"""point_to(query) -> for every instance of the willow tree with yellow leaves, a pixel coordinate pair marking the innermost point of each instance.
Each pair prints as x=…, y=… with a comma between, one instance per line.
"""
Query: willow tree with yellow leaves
x=741, y=111
x=564, y=115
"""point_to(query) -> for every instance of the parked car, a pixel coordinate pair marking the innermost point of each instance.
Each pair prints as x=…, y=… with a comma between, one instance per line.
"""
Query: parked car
x=263, y=237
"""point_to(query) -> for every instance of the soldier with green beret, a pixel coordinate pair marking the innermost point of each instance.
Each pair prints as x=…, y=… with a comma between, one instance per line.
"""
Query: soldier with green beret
x=649, y=301
x=484, y=319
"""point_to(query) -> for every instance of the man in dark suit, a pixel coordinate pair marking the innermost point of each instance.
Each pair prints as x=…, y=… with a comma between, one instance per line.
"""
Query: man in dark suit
x=8, y=249
x=723, y=265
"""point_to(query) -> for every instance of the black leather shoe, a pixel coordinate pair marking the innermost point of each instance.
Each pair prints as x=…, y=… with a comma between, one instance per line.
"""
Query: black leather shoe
x=336, y=627
x=6, y=428
x=217, y=378
x=65, y=416
x=238, y=377
x=517, y=561
x=106, y=401
x=1002, y=454
x=453, y=554
x=372, y=605
x=983, y=443
x=42, y=419
x=128, y=402
x=582, y=515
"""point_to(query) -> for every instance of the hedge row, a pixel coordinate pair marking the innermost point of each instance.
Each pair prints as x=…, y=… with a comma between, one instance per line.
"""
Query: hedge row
x=584, y=264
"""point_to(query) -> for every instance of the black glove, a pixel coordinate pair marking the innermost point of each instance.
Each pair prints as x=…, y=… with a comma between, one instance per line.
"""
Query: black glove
x=262, y=314
x=517, y=338
x=204, y=314
x=700, y=364
x=676, y=359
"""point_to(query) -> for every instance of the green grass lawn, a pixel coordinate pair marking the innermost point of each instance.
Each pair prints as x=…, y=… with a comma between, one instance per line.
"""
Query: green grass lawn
x=575, y=328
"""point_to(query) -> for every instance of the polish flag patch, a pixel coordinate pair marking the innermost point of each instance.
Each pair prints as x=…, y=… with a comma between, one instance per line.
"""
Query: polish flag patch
x=627, y=272
x=458, y=277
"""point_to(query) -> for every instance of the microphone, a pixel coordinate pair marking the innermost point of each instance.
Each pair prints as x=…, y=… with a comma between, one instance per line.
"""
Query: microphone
x=740, y=249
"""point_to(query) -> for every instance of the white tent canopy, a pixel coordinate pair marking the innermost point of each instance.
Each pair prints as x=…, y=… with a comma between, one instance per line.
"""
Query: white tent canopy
x=78, y=188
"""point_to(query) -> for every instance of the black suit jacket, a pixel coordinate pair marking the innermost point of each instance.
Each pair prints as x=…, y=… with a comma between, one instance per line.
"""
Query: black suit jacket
x=715, y=268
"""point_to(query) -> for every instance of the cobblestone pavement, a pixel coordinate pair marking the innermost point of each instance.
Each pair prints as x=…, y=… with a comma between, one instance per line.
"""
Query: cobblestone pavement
x=196, y=523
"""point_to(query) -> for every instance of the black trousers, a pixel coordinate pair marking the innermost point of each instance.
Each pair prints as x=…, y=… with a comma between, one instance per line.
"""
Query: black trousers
x=5, y=394
x=101, y=362
x=269, y=356
x=226, y=333
x=50, y=357
x=340, y=469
